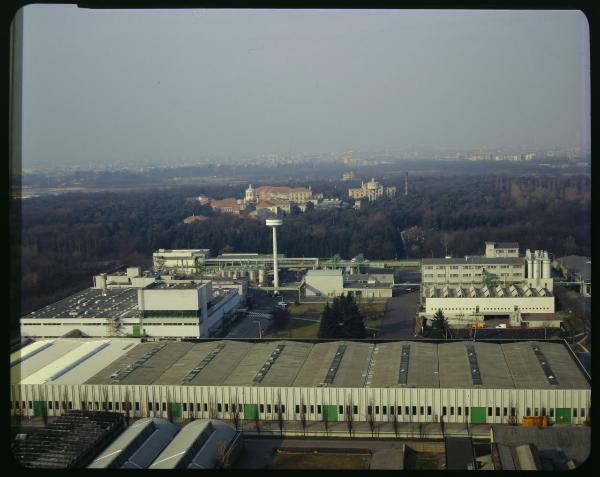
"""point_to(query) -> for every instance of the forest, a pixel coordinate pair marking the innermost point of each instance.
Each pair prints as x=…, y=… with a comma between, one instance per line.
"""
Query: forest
x=64, y=239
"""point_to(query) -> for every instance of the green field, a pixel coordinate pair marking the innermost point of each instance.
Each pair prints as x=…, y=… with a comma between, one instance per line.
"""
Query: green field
x=296, y=329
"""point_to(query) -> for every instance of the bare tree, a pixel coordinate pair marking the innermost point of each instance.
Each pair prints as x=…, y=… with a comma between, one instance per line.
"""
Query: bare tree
x=221, y=455
x=127, y=404
x=371, y=418
x=43, y=407
x=395, y=422
x=169, y=407
x=235, y=413
x=349, y=416
x=303, y=415
x=104, y=397
x=280, y=414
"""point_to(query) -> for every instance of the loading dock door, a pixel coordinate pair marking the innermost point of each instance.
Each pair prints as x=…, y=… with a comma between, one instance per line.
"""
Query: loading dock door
x=478, y=415
x=250, y=411
x=37, y=407
x=136, y=330
x=175, y=408
x=330, y=413
x=563, y=415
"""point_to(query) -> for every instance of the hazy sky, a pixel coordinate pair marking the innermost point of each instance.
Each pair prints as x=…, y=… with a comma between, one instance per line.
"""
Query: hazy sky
x=112, y=86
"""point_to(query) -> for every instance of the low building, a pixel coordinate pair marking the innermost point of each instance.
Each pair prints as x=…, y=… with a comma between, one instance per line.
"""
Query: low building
x=347, y=176
x=576, y=268
x=300, y=195
x=501, y=249
x=179, y=260
x=412, y=381
x=324, y=283
x=228, y=205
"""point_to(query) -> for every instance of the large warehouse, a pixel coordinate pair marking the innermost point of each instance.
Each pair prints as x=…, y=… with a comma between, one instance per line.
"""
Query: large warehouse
x=462, y=381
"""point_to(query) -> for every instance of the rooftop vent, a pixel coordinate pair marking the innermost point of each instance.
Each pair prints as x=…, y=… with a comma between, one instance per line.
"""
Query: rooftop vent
x=335, y=364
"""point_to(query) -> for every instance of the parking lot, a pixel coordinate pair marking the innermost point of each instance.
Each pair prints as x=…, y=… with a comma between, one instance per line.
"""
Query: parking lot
x=399, y=318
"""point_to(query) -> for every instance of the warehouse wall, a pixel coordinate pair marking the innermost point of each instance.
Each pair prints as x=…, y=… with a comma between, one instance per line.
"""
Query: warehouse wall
x=207, y=398
x=492, y=305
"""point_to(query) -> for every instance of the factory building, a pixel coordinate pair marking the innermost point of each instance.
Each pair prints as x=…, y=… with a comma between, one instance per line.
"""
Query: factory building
x=172, y=308
x=153, y=443
x=408, y=381
x=181, y=261
x=499, y=283
x=331, y=283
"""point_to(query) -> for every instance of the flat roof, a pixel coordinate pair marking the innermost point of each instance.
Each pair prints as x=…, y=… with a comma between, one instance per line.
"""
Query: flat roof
x=174, y=286
x=91, y=303
x=324, y=273
x=507, y=292
x=286, y=363
x=473, y=260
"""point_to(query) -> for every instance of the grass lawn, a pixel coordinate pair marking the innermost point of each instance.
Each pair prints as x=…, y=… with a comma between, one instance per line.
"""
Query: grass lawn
x=296, y=329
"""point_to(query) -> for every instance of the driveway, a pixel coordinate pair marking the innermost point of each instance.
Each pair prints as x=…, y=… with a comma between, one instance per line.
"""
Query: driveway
x=399, y=317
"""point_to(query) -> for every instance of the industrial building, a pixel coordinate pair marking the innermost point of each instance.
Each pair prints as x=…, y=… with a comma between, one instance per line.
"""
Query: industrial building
x=138, y=305
x=501, y=283
x=331, y=283
x=411, y=381
x=153, y=443
x=181, y=261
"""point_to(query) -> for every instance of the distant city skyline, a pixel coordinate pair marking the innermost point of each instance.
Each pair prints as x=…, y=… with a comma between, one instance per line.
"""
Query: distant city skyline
x=172, y=86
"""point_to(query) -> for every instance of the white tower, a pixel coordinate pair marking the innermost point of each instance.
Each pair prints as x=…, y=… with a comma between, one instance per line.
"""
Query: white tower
x=274, y=223
x=250, y=197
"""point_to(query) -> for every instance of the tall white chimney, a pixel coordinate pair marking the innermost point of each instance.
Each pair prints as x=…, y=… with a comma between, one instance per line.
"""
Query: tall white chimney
x=274, y=223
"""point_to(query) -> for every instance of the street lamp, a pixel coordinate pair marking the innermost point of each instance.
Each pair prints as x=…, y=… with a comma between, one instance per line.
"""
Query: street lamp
x=259, y=328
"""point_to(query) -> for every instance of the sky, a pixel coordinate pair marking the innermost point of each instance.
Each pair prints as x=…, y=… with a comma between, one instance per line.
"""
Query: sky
x=125, y=86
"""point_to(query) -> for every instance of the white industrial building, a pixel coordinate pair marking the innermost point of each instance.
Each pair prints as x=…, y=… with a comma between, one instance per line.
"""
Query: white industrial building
x=169, y=308
x=408, y=381
x=184, y=261
x=462, y=288
x=332, y=283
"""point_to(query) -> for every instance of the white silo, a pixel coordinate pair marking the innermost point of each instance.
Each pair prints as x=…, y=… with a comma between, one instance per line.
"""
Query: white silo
x=546, y=273
x=252, y=275
x=529, y=260
x=536, y=264
x=261, y=276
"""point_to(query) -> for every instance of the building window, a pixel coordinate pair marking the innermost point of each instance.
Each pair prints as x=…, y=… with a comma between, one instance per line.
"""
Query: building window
x=414, y=410
x=70, y=403
x=574, y=412
x=49, y=404
x=459, y=410
x=56, y=406
x=156, y=406
x=421, y=410
x=452, y=410
x=466, y=410
x=164, y=407
x=110, y=405
x=219, y=407
x=97, y=405
x=137, y=405
x=489, y=411
x=582, y=413
x=184, y=407
x=399, y=410
x=543, y=411
x=551, y=412
x=303, y=408
x=505, y=411
x=312, y=409
x=261, y=408
x=384, y=410
x=513, y=412
x=226, y=407
x=150, y=406
x=528, y=411
x=205, y=407
x=355, y=409
x=283, y=408
x=297, y=408
x=429, y=410
x=377, y=410
x=341, y=409
x=497, y=411
x=269, y=408
x=536, y=412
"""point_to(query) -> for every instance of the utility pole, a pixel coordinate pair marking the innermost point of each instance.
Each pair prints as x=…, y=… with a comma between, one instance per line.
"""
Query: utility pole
x=259, y=329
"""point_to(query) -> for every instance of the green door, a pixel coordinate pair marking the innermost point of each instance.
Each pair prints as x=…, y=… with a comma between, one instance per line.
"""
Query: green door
x=37, y=407
x=175, y=409
x=330, y=413
x=563, y=415
x=478, y=415
x=136, y=330
x=250, y=411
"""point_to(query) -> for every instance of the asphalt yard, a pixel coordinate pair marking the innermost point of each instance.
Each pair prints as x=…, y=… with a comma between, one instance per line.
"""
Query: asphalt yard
x=399, y=318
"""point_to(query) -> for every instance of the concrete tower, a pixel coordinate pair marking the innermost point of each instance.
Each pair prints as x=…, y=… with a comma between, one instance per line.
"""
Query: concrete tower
x=406, y=183
x=274, y=223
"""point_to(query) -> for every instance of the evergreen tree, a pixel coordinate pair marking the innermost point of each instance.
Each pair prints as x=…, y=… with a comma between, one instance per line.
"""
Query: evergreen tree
x=328, y=326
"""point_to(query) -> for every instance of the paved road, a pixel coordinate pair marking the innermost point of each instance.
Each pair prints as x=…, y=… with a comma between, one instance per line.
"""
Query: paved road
x=399, y=317
x=248, y=326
